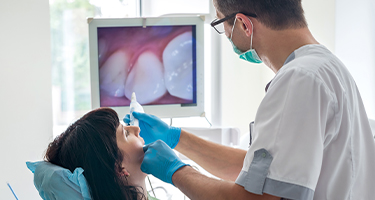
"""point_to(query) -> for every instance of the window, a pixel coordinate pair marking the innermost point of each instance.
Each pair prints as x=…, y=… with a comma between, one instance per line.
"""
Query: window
x=70, y=53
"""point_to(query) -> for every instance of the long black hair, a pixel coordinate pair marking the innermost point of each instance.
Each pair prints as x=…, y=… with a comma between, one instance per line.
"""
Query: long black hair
x=90, y=143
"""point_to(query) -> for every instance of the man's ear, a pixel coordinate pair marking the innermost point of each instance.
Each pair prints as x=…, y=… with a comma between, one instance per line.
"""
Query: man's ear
x=246, y=24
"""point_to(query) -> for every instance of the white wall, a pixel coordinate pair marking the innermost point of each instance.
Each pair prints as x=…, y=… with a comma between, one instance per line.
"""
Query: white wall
x=243, y=83
x=25, y=87
x=355, y=46
x=321, y=19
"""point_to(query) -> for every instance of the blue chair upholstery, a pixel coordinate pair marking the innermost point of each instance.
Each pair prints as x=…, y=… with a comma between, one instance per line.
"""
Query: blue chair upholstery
x=56, y=183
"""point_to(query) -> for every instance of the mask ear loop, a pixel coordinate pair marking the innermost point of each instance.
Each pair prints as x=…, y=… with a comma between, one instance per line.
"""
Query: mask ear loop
x=252, y=32
x=235, y=18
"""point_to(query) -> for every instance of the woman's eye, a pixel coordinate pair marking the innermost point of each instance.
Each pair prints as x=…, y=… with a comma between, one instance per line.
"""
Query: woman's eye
x=126, y=133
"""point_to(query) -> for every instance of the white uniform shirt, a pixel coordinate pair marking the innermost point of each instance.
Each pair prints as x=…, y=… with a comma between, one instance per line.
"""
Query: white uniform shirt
x=311, y=136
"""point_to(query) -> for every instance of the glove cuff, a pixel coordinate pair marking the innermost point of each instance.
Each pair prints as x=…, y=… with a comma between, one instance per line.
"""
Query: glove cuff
x=174, y=168
x=173, y=136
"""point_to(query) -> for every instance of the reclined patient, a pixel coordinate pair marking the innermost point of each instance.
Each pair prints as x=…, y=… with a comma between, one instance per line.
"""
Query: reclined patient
x=109, y=153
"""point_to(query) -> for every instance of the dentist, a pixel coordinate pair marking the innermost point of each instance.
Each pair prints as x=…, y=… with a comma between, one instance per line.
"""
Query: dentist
x=311, y=138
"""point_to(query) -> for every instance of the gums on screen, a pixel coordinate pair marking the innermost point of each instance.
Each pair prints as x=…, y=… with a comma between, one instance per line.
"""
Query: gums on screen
x=156, y=62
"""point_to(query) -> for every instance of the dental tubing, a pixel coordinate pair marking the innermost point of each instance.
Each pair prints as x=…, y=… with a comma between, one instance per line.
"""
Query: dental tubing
x=134, y=106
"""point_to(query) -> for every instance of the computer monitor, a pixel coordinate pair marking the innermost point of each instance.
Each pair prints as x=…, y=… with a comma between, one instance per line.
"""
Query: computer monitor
x=160, y=59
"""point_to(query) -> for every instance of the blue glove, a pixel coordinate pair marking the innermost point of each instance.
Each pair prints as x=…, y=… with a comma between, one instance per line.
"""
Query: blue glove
x=160, y=161
x=153, y=128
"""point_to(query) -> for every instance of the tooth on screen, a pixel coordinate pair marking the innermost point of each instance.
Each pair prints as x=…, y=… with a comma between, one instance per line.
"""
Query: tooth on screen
x=178, y=66
x=113, y=74
x=102, y=48
x=146, y=79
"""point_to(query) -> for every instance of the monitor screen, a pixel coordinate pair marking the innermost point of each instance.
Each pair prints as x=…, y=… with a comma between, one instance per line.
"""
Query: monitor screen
x=160, y=59
x=158, y=63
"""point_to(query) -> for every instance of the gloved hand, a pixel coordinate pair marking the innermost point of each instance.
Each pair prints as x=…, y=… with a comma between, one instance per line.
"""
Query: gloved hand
x=160, y=161
x=153, y=128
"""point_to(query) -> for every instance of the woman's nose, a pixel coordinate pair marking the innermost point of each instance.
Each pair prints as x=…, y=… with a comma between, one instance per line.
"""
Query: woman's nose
x=135, y=130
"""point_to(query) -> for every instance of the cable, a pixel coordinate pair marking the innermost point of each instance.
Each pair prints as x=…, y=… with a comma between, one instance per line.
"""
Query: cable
x=151, y=186
x=12, y=191
x=208, y=121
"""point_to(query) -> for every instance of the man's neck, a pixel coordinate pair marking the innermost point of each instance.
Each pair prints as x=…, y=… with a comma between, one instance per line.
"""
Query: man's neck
x=276, y=46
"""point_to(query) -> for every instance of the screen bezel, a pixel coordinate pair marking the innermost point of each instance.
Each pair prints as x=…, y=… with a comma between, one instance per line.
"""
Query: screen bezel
x=164, y=111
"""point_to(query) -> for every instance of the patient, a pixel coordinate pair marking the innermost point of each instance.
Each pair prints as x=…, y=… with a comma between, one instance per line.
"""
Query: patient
x=109, y=153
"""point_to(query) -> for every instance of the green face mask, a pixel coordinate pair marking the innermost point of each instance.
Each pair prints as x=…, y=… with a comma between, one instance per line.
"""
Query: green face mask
x=250, y=55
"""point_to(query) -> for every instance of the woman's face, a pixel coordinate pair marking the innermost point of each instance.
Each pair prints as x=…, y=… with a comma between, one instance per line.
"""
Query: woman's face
x=131, y=146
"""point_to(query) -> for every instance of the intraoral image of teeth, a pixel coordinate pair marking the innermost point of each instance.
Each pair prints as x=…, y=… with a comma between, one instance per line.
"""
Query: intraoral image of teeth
x=146, y=79
x=103, y=48
x=113, y=74
x=178, y=66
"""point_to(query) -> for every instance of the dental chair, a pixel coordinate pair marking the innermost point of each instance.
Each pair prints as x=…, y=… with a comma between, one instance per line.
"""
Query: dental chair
x=56, y=183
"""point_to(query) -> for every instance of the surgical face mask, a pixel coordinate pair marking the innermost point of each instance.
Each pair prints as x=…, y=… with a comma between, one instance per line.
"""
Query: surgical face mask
x=250, y=55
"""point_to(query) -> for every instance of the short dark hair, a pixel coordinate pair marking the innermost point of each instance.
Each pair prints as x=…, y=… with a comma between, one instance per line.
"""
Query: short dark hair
x=275, y=14
x=90, y=143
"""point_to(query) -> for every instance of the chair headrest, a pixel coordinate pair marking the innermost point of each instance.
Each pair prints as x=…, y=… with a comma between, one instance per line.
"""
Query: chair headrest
x=57, y=183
